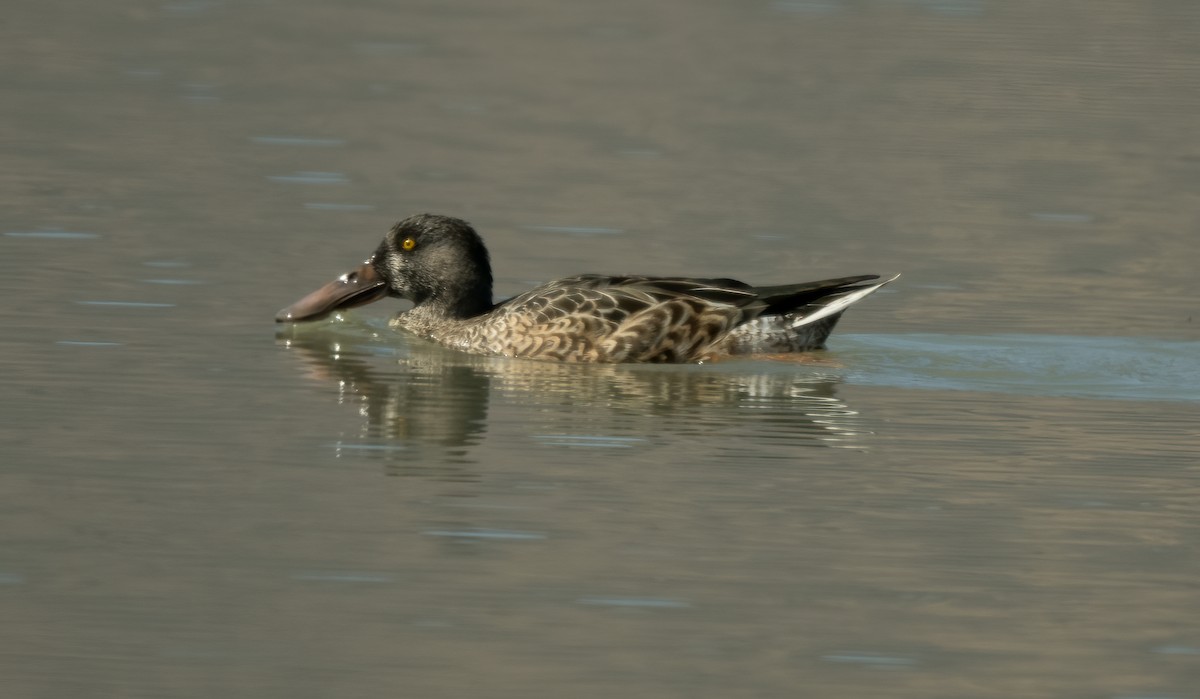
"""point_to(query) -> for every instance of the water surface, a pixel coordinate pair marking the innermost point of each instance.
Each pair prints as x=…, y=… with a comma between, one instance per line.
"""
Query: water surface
x=987, y=486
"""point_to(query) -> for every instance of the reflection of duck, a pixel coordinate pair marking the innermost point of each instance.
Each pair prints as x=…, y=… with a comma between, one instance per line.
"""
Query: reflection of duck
x=441, y=264
x=418, y=403
x=419, y=400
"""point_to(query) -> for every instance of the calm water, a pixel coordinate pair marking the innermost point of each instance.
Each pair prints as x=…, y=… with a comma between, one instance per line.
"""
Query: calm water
x=988, y=487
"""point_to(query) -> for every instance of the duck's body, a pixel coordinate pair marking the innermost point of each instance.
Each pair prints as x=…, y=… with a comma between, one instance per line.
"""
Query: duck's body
x=593, y=318
x=441, y=265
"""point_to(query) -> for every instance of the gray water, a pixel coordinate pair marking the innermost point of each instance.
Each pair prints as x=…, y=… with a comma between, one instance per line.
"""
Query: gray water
x=986, y=487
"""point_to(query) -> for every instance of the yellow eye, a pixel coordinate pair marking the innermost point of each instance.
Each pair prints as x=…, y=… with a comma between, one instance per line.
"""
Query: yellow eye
x=408, y=244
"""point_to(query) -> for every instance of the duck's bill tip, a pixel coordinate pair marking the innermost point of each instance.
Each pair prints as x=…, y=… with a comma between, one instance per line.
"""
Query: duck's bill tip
x=360, y=287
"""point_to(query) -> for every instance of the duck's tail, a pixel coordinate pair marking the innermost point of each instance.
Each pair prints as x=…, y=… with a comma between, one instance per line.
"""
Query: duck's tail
x=800, y=317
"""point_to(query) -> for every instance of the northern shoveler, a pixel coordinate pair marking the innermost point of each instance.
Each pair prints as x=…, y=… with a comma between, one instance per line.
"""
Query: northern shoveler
x=441, y=265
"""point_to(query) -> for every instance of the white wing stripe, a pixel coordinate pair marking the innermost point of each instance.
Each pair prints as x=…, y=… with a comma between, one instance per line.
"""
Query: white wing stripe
x=841, y=303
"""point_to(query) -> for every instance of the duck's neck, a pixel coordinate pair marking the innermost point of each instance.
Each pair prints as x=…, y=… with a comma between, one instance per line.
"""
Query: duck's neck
x=457, y=303
x=478, y=302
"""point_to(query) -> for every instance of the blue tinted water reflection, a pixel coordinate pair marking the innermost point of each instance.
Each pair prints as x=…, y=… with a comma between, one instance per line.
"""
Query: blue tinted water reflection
x=1132, y=368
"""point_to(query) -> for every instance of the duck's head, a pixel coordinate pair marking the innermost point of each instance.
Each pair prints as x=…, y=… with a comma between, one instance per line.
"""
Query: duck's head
x=431, y=260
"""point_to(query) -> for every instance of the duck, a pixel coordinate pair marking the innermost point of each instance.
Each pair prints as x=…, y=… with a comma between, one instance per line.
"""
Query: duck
x=442, y=266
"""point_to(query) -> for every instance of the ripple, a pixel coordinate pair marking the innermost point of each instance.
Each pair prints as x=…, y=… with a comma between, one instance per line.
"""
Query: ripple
x=1061, y=217
x=200, y=92
x=583, y=440
x=1177, y=650
x=879, y=660
x=387, y=47
x=640, y=602
x=297, y=141
x=343, y=577
x=807, y=7
x=344, y=446
x=311, y=177
x=486, y=534
x=639, y=153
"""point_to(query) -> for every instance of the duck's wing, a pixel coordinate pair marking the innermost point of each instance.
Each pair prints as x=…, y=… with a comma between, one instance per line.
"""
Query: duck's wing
x=625, y=319
x=615, y=299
